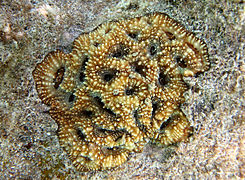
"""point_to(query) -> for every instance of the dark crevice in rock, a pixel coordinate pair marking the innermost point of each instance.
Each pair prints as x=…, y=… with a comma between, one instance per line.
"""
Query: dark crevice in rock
x=170, y=35
x=82, y=75
x=108, y=75
x=120, y=51
x=133, y=35
x=101, y=105
x=80, y=134
x=59, y=76
x=163, y=79
x=139, y=69
x=181, y=61
x=71, y=98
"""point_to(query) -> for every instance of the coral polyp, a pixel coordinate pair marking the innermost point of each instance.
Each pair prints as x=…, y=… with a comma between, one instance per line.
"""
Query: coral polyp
x=121, y=87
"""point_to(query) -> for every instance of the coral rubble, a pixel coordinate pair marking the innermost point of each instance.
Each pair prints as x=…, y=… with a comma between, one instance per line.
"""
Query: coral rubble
x=121, y=87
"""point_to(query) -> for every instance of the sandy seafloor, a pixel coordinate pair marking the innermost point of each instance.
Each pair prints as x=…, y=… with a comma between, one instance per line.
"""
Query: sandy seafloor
x=29, y=145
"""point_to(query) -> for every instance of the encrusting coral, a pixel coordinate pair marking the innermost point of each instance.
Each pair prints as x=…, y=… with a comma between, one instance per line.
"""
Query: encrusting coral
x=121, y=87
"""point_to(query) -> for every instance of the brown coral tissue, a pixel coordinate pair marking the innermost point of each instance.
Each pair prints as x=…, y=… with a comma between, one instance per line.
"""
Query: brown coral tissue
x=121, y=87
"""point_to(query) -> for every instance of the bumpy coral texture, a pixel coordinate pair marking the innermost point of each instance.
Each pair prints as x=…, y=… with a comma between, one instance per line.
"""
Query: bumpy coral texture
x=121, y=87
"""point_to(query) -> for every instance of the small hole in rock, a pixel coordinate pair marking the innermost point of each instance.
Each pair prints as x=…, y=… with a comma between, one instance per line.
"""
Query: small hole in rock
x=137, y=121
x=133, y=6
x=120, y=51
x=82, y=76
x=180, y=61
x=59, y=75
x=166, y=123
x=71, y=98
x=109, y=111
x=133, y=35
x=129, y=91
x=139, y=69
x=170, y=36
x=85, y=60
x=163, y=79
x=87, y=113
x=108, y=75
x=198, y=74
x=102, y=130
x=154, y=108
x=83, y=67
x=28, y=145
x=80, y=134
x=99, y=102
x=135, y=115
x=111, y=150
x=96, y=44
x=152, y=50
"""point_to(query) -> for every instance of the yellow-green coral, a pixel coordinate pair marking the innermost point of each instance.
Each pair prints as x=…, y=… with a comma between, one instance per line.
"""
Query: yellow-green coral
x=120, y=87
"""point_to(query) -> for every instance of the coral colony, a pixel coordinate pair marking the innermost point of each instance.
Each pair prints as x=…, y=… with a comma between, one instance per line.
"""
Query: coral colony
x=121, y=87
